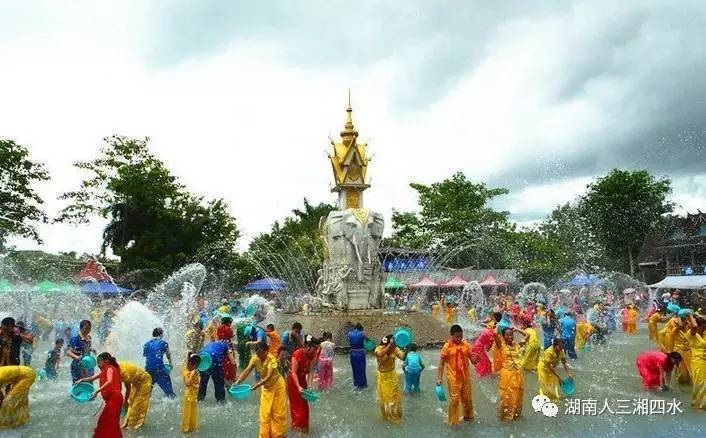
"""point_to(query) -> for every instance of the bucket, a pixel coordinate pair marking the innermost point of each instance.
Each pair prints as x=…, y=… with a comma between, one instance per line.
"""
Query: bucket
x=310, y=395
x=684, y=312
x=568, y=387
x=439, y=390
x=240, y=392
x=369, y=345
x=82, y=392
x=403, y=337
x=206, y=361
x=673, y=308
x=88, y=362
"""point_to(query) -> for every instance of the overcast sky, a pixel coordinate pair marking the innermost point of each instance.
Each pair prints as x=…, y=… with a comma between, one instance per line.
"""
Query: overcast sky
x=239, y=98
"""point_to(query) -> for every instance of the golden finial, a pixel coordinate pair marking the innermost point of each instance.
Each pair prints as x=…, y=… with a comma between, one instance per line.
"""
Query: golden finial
x=349, y=129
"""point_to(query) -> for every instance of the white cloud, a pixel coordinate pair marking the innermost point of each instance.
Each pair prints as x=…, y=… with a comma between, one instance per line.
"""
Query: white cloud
x=249, y=122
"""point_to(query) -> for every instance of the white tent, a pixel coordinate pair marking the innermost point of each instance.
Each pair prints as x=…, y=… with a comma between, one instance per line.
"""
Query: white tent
x=681, y=282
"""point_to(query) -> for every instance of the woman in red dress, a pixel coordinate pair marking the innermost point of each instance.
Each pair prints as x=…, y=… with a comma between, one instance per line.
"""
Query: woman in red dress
x=225, y=333
x=110, y=386
x=299, y=379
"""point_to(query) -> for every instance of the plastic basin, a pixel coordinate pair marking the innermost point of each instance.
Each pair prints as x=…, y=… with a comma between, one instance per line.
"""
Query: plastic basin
x=82, y=392
x=88, y=362
x=206, y=361
x=568, y=387
x=310, y=395
x=369, y=345
x=403, y=337
x=673, y=308
x=439, y=390
x=240, y=392
x=684, y=312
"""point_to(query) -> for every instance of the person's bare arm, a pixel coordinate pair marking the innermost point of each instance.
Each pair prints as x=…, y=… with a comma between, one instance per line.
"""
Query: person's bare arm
x=440, y=370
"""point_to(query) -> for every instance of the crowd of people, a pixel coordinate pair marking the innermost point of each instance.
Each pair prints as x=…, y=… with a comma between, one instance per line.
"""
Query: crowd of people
x=515, y=342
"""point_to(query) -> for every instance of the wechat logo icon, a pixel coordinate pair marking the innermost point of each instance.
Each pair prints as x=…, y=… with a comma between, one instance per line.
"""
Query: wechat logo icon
x=541, y=403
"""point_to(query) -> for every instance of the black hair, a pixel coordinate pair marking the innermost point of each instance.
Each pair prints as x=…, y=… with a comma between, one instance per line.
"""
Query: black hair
x=227, y=320
x=110, y=359
x=193, y=359
x=84, y=323
x=506, y=329
x=297, y=326
x=58, y=341
x=359, y=326
x=674, y=357
x=281, y=349
x=198, y=324
x=412, y=347
x=157, y=332
x=9, y=321
x=270, y=326
x=456, y=329
x=310, y=341
x=260, y=346
x=327, y=336
x=497, y=316
x=558, y=342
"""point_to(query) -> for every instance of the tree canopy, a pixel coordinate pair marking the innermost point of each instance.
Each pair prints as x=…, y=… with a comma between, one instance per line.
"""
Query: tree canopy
x=154, y=222
x=19, y=202
x=624, y=207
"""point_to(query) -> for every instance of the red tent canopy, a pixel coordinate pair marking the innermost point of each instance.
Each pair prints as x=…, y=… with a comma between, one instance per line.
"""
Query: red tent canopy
x=93, y=271
x=457, y=281
x=489, y=280
x=424, y=282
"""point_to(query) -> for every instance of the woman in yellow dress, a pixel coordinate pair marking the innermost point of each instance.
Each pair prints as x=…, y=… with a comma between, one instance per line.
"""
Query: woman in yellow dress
x=681, y=346
x=546, y=371
x=584, y=330
x=14, y=405
x=273, y=398
x=190, y=413
x=697, y=343
x=389, y=393
x=652, y=322
x=511, y=385
x=138, y=390
x=667, y=334
x=530, y=357
x=631, y=315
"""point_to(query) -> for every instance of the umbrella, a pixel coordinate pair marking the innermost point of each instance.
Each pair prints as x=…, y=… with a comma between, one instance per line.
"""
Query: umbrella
x=267, y=283
x=47, y=286
x=393, y=283
x=5, y=286
x=104, y=288
x=424, y=282
x=491, y=281
x=457, y=281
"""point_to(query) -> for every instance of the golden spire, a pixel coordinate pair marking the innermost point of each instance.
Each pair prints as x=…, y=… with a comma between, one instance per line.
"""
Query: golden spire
x=349, y=129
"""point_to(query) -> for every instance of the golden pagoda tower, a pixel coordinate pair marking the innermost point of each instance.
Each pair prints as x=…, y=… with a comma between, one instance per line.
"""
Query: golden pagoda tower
x=349, y=163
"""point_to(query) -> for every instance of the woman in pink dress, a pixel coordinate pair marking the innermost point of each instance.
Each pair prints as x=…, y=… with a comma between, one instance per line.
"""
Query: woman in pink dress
x=480, y=347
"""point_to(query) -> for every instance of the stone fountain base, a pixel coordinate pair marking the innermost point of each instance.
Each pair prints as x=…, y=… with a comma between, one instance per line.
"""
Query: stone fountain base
x=427, y=330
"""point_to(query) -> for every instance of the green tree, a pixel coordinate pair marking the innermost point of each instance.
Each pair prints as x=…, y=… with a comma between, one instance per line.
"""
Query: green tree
x=456, y=221
x=569, y=228
x=292, y=250
x=19, y=202
x=538, y=257
x=155, y=224
x=624, y=207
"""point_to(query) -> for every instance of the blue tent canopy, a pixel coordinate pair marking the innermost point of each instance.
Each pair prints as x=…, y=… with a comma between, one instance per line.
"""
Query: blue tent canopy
x=580, y=280
x=104, y=288
x=266, y=284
